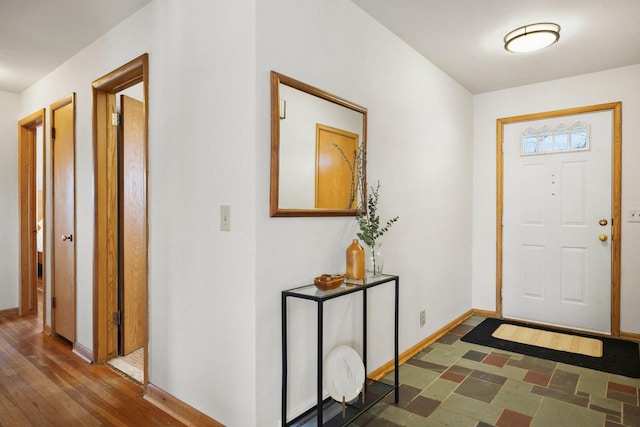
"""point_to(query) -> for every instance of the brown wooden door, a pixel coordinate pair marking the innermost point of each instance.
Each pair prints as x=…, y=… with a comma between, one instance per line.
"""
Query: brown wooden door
x=64, y=239
x=133, y=227
x=335, y=179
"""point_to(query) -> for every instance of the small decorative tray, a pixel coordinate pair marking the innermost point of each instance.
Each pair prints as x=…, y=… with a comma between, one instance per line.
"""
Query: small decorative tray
x=328, y=281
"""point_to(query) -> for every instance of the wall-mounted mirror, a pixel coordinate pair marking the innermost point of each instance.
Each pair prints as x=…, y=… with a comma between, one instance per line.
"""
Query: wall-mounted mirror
x=315, y=140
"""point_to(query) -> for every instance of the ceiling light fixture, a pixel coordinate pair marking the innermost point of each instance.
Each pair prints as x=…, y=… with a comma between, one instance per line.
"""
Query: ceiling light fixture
x=532, y=37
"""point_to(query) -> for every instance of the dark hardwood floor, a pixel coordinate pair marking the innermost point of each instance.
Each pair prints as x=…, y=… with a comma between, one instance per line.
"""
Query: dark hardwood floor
x=42, y=383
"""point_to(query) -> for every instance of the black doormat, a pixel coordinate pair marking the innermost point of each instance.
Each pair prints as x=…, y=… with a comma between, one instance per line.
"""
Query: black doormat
x=618, y=356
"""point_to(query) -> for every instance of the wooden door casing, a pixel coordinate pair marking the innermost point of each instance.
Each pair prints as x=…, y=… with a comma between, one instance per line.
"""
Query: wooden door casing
x=105, y=302
x=27, y=207
x=63, y=308
x=616, y=108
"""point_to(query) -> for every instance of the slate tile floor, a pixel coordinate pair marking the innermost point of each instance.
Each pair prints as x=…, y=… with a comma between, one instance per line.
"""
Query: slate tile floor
x=454, y=383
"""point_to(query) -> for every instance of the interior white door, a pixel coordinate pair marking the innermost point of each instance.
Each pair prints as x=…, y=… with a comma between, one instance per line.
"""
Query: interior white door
x=556, y=268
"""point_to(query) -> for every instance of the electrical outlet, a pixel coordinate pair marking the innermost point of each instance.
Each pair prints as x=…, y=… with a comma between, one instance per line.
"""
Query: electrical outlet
x=634, y=215
x=423, y=318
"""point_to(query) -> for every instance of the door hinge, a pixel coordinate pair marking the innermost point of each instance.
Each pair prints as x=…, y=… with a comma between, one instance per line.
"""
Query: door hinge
x=116, y=119
x=53, y=132
x=53, y=302
x=117, y=318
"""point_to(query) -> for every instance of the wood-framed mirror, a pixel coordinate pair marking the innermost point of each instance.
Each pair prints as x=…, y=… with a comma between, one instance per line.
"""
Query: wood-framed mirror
x=316, y=139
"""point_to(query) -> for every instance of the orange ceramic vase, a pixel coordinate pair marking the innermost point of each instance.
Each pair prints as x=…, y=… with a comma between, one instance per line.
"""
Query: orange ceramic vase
x=355, y=261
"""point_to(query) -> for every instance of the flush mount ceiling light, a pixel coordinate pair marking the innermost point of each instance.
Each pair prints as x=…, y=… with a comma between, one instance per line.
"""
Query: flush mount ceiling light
x=532, y=37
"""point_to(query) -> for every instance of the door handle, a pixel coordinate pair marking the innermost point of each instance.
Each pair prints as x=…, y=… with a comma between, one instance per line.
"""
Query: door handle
x=68, y=237
x=603, y=237
x=603, y=221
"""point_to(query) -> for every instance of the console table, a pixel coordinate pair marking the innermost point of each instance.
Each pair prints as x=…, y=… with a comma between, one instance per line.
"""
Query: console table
x=329, y=412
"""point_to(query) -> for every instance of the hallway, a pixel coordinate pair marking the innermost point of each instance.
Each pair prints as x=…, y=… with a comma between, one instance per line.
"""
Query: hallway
x=42, y=383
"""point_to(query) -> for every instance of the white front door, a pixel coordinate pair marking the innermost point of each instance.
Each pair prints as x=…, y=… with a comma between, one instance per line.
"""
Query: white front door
x=556, y=268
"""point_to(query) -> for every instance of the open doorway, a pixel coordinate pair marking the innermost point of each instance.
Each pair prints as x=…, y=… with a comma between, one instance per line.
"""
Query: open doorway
x=131, y=232
x=40, y=223
x=31, y=171
x=121, y=267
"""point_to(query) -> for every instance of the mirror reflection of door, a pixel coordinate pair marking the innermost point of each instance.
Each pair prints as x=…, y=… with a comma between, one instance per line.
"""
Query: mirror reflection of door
x=296, y=189
x=336, y=168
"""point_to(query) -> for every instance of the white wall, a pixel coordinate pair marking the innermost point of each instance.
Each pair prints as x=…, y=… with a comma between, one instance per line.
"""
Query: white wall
x=201, y=144
x=202, y=134
x=622, y=84
x=9, y=244
x=419, y=147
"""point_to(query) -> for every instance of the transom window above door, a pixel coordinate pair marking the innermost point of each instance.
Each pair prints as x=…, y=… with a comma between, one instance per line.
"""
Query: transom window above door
x=561, y=139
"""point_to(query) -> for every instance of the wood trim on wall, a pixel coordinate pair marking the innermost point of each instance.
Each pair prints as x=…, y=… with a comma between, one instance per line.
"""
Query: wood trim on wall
x=181, y=411
x=499, y=197
x=616, y=243
x=630, y=335
x=106, y=205
x=9, y=312
x=616, y=109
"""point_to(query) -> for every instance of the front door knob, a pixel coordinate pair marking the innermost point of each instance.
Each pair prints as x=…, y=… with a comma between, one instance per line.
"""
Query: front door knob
x=603, y=237
x=603, y=221
x=68, y=237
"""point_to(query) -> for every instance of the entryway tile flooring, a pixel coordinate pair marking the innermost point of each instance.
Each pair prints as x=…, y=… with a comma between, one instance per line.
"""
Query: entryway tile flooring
x=454, y=383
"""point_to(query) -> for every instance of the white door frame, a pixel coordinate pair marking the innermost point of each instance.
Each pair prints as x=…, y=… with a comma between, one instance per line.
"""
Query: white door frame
x=616, y=174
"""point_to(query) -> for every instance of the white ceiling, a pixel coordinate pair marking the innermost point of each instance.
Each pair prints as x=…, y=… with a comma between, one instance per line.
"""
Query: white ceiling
x=36, y=36
x=465, y=37
x=462, y=37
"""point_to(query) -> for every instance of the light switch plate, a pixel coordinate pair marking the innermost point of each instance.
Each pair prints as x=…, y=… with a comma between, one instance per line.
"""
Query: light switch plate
x=634, y=215
x=225, y=218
